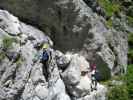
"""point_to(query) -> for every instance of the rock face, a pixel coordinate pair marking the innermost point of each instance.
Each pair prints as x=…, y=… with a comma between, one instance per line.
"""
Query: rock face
x=75, y=25
x=23, y=78
x=77, y=28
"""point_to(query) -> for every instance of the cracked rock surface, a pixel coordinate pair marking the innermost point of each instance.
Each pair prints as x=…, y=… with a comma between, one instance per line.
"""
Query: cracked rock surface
x=74, y=25
x=77, y=35
x=22, y=79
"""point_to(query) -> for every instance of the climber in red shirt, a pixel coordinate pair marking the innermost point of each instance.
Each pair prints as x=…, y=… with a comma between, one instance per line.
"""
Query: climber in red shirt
x=93, y=78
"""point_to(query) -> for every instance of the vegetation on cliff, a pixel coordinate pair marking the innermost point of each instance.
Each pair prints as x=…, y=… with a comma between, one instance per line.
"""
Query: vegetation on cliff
x=113, y=8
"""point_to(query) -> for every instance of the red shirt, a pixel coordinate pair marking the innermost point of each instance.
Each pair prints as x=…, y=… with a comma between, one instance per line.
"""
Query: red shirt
x=93, y=67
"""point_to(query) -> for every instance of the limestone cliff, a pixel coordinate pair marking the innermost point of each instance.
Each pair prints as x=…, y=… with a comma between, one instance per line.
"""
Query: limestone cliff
x=78, y=34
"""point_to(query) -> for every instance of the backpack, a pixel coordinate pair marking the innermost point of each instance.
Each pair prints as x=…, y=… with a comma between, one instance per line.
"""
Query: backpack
x=45, y=56
x=98, y=75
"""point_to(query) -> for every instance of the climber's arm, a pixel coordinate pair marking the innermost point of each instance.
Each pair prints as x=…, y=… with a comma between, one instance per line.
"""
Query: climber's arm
x=37, y=57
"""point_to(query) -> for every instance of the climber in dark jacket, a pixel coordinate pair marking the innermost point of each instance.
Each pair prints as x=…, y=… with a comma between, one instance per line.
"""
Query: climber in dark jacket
x=45, y=59
x=46, y=54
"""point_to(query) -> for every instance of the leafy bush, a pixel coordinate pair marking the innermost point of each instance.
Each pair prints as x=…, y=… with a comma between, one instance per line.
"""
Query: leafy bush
x=130, y=50
x=117, y=88
x=130, y=20
x=123, y=91
x=129, y=80
x=118, y=92
x=109, y=7
x=130, y=38
x=130, y=55
x=109, y=23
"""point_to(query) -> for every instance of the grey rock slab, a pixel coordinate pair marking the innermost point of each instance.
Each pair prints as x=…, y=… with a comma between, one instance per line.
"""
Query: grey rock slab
x=9, y=23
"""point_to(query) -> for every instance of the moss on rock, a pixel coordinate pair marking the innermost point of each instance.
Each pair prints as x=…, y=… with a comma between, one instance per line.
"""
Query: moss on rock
x=7, y=42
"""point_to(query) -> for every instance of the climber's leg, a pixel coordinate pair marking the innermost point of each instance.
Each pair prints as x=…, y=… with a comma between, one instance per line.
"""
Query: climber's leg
x=92, y=83
x=45, y=69
x=95, y=86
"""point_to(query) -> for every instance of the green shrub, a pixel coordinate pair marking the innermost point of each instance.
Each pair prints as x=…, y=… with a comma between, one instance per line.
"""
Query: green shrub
x=118, y=92
x=129, y=80
x=130, y=54
x=109, y=7
x=130, y=50
x=130, y=20
x=116, y=78
x=130, y=38
x=122, y=91
x=109, y=23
